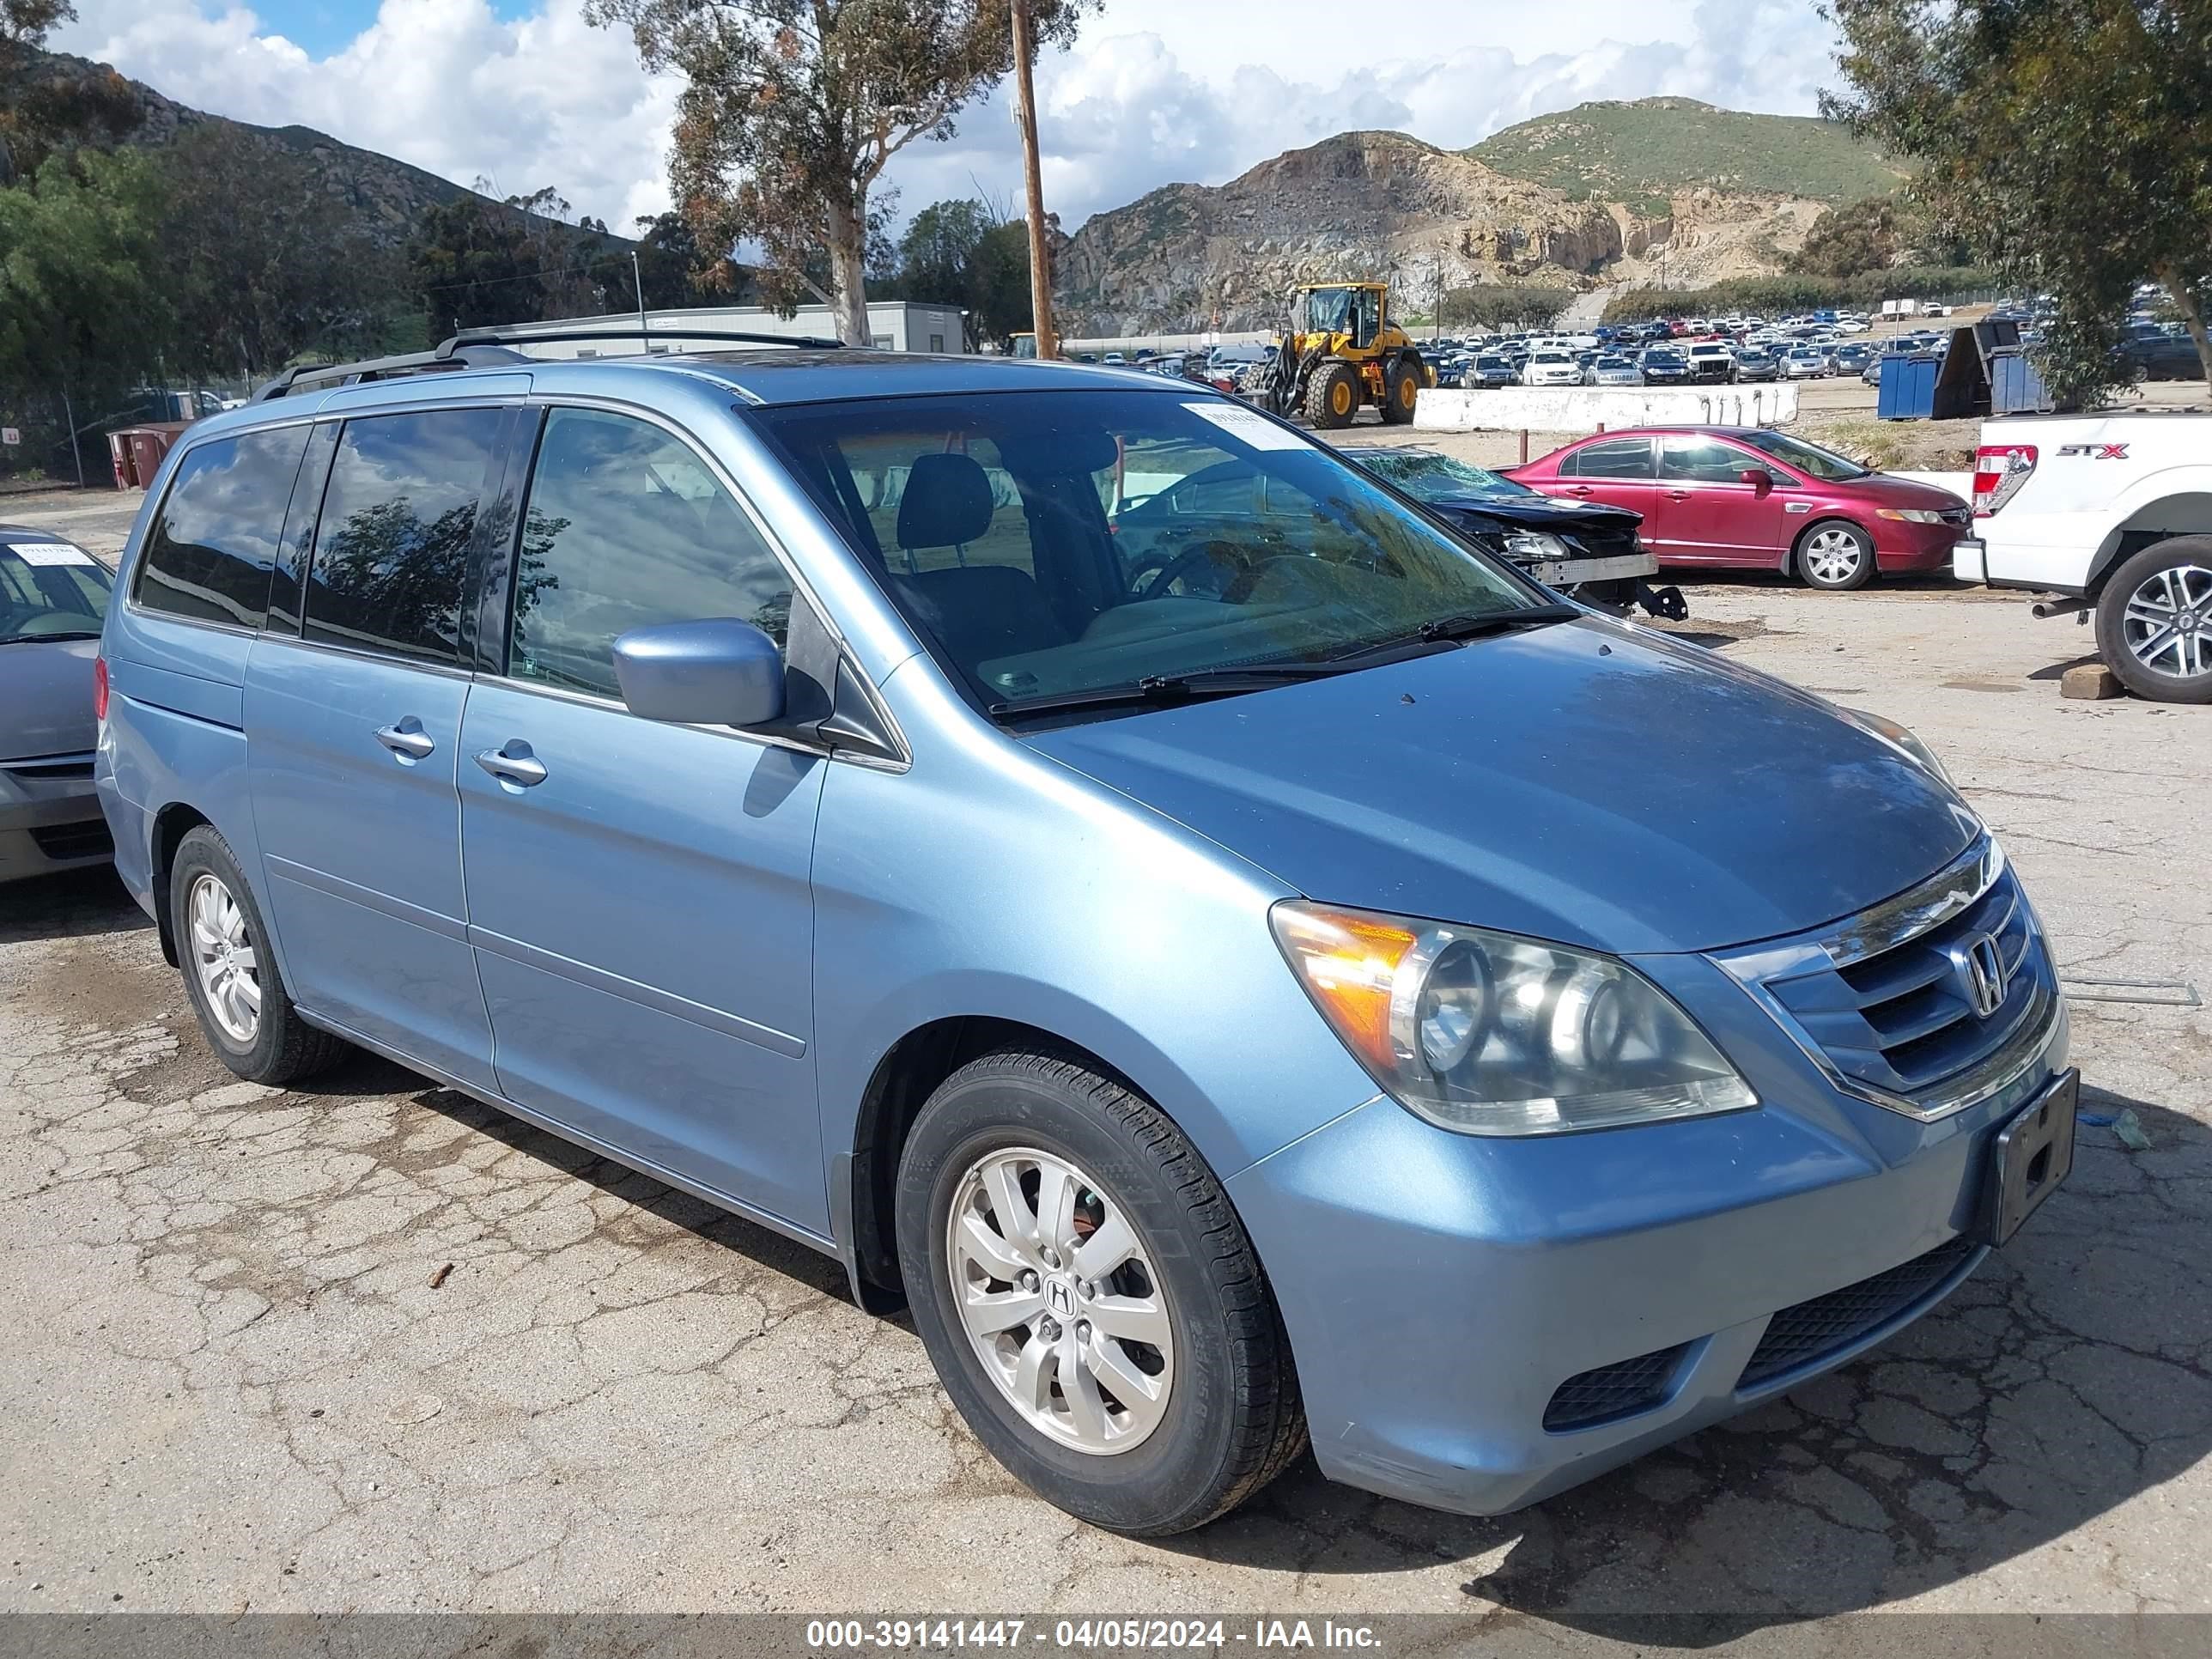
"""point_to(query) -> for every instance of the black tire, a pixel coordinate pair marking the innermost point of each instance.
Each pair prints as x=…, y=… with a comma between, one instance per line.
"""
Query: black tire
x=1401, y=390
x=1810, y=550
x=1231, y=1421
x=2125, y=627
x=283, y=1048
x=1333, y=395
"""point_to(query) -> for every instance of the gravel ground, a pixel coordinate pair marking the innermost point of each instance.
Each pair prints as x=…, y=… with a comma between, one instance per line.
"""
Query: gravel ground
x=236, y=1376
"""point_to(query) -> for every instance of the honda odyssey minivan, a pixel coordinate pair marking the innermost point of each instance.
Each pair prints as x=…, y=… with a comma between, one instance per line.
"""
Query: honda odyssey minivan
x=1245, y=965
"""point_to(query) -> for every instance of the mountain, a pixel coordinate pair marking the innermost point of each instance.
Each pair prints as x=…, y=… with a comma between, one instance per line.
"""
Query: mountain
x=1644, y=152
x=1662, y=189
x=382, y=197
x=1349, y=206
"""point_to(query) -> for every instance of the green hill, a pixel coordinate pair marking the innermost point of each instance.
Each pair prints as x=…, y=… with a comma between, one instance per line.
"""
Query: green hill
x=1640, y=153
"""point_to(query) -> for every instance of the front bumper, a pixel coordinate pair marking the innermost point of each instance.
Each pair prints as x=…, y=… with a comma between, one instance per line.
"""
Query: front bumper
x=50, y=818
x=1443, y=1290
x=1900, y=546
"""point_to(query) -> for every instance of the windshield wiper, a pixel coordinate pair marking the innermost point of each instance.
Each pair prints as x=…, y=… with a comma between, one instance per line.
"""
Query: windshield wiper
x=1163, y=690
x=1450, y=630
x=41, y=639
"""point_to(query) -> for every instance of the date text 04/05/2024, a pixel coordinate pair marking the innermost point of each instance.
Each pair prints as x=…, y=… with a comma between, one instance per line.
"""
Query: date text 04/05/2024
x=1129, y=1633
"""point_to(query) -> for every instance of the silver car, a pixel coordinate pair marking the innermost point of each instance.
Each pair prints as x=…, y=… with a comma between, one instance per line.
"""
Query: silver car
x=1613, y=369
x=53, y=596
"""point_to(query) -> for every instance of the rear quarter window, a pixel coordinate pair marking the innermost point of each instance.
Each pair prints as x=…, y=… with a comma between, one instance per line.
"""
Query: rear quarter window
x=210, y=554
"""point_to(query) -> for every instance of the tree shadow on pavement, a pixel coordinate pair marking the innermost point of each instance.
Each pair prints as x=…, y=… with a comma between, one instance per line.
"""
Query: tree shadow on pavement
x=371, y=1074
x=2064, y=1380
x=73, y=905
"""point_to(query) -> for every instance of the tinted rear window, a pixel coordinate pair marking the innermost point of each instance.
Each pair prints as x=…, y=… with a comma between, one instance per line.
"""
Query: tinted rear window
x=1623, y=458
x=210, y=554
x=392, y=551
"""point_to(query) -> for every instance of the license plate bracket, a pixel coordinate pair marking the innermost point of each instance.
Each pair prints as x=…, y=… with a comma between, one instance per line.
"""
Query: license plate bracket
x=2030, y=1156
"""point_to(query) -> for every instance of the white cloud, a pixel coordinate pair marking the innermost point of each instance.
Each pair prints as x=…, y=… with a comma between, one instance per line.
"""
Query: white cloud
x=444, y=84
x=545, y=100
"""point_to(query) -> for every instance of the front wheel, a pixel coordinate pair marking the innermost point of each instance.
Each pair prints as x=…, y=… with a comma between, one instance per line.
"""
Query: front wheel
x=1836, y=556
x=1332, y=396
x=1402, y=392
x=2155, y=621
x=1091, y=1300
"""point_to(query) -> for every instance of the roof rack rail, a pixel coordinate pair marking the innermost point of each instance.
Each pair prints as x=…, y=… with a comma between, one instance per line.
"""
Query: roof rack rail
x=482, y=348
x=448, y=355
x=474, y=337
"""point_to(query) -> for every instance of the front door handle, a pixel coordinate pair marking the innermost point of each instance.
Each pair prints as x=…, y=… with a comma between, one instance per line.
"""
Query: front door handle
x=406, y=738
x=513, y=763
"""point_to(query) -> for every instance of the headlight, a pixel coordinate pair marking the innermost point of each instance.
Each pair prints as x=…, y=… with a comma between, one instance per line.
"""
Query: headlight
x=1902, y=739
x=1534, y=544
x=1910, y=515
x=1489, y=1033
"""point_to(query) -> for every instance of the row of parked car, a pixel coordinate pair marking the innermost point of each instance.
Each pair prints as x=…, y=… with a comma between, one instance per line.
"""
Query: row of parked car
x=1097, y=864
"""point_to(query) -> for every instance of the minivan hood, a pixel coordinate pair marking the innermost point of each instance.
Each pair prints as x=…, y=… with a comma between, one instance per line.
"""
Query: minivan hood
x=46, y=698
x=1585, y=783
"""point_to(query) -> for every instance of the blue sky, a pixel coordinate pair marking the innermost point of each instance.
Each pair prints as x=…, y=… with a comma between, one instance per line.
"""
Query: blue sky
x=524, y=94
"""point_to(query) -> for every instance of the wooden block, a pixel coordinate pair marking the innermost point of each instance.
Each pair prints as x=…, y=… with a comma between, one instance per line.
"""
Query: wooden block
x=2091, y=681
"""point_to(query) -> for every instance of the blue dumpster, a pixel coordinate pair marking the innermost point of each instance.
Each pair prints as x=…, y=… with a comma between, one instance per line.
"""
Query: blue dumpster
x=1908, y=387
x=2015, y=386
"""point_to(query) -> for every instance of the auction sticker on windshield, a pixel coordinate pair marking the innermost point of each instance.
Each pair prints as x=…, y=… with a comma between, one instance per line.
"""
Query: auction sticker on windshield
x=1250, y=424
x=51, y=553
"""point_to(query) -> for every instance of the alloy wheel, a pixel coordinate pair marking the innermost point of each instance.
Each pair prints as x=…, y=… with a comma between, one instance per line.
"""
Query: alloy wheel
x=1833, y=556
x=2168, y=621
x=1059, y=1301
x=224, y=960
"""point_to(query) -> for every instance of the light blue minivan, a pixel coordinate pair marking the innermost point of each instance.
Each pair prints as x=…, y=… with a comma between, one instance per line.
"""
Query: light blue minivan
x=1241, y=962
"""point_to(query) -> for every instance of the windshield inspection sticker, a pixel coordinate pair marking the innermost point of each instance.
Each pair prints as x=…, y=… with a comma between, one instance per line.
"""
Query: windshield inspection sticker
x=51, y=553
x=1250, y=424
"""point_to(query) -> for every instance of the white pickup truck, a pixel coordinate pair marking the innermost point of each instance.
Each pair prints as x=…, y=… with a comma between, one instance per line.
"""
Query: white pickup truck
x=2112, y=514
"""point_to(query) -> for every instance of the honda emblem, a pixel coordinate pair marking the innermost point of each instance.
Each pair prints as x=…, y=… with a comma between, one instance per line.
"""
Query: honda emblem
x=1979, y=967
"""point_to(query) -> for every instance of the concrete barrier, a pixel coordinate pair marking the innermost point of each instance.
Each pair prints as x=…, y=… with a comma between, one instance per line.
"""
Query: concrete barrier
x=1585, y=409
x=1960, y=484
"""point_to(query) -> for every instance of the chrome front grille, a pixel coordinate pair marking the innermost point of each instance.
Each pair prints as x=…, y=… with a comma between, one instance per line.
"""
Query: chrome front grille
x=1929, y=1001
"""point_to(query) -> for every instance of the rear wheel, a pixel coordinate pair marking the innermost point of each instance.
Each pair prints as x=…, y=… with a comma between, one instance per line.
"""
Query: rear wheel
x=1090, y=1301
x=221, y=946
x=1835, y=555
x=2155, y=621
x=1333, y=395
x=1403, y=392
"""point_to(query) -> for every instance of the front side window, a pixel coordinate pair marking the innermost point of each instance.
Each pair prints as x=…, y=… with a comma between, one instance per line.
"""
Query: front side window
x=209, y=556
x=1054, y=543
x=1809, y=458
x=626, y=528
x=390, y=559
x=1703, y=460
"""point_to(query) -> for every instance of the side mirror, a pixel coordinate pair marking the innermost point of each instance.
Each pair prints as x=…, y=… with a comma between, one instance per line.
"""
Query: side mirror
x=715, y=671
x=1760, y=480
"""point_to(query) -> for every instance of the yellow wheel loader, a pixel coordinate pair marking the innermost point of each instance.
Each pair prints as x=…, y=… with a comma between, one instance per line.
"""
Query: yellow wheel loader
x=1340, y=349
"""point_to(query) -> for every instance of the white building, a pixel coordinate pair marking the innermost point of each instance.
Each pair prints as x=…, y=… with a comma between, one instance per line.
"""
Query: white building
x=893, y=325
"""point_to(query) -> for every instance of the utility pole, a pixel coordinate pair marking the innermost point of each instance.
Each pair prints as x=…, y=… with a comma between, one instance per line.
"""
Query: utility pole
x=1047, y=340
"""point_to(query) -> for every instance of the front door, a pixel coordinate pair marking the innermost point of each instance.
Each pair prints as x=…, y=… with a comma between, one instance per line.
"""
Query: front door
x=1713, y=517
x=639, y=894
x=354, y=729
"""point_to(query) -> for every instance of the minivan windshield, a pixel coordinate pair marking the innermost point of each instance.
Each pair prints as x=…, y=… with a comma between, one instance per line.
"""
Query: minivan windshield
x=49, y=590
x=1050, y=543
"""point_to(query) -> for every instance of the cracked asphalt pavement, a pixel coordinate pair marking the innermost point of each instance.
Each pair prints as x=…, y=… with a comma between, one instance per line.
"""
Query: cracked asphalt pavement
x=238, y=1376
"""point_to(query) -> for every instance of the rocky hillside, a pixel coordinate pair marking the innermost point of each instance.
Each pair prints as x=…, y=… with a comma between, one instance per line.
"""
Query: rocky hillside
x=1662, y=188
x=385, y=197
x=1358, y=204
